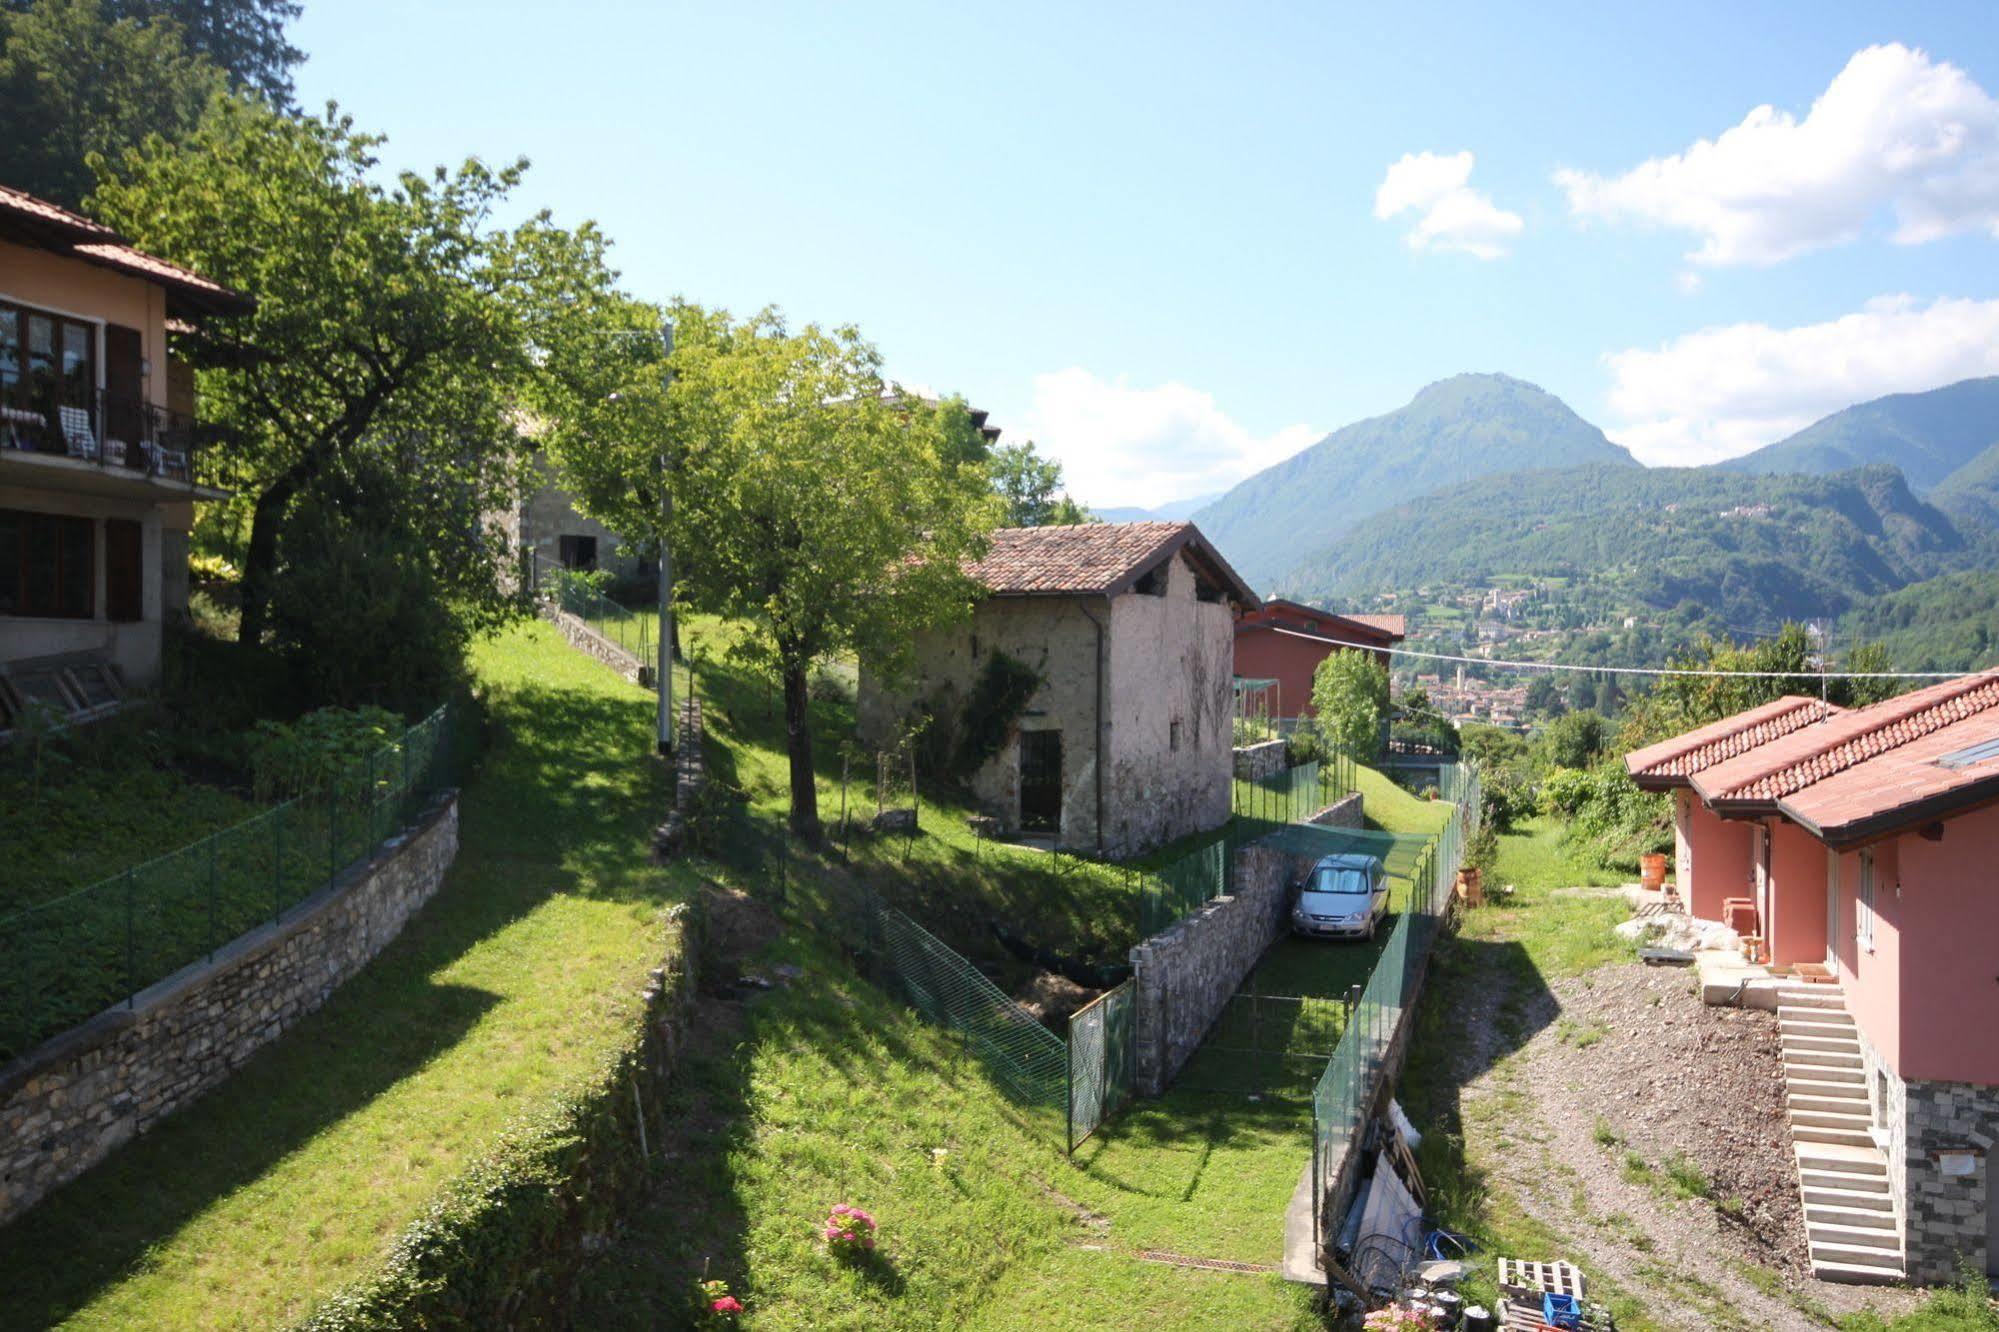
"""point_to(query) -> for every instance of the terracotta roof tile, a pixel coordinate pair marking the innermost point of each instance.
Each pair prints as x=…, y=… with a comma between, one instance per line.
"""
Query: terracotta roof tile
x=1673, y=762
x=1387, y=624
x=60, y=231
x=1088, y=558
x=1903, y=783
x=1784, y=766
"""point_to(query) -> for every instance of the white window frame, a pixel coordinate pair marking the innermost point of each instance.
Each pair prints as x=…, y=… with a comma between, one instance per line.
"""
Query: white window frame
x=1863, y=897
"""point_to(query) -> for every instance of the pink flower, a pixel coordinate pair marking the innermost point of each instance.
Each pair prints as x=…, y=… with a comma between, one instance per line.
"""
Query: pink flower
x=728, y=1304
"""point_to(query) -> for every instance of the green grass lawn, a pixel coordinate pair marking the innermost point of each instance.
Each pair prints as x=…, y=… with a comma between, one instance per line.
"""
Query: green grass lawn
x=289, y=1179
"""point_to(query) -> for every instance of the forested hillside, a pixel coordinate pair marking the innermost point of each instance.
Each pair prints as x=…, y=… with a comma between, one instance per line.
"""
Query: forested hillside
x=1453, y=431
x=1753, y=549
x=1949, y=623
x=1928, y=435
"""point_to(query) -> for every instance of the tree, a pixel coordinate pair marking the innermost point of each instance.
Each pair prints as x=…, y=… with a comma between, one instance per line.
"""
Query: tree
x=1757, y=672
x=1350, y=696
x=1576, y=740
x=388, y=316
x=245, y=37
x=821, y=504
x=77, y=80
x=1030, y=486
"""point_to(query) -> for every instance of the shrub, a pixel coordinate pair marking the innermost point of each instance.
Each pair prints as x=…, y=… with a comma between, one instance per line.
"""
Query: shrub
x=714, y=1306
x=992, y=708
x=320, y=749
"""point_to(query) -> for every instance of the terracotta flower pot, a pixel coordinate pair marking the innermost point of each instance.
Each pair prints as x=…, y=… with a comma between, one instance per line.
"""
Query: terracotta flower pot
x=1652, y=870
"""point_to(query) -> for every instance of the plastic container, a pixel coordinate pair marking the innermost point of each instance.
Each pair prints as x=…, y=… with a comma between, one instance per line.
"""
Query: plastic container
x=1561, y=1310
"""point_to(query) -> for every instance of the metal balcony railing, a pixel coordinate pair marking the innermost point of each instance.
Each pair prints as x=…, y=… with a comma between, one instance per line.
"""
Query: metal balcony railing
x=114, y=432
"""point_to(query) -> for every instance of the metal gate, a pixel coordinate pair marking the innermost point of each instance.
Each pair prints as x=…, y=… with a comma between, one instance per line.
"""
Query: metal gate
x=1102, y=1060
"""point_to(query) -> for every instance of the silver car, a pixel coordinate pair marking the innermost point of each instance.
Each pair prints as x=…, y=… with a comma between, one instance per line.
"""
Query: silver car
x=1344, y=897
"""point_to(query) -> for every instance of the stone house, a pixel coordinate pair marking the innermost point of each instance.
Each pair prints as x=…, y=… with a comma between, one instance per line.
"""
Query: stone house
x=101, y=461
x=1124, y=740
x=1854, y=850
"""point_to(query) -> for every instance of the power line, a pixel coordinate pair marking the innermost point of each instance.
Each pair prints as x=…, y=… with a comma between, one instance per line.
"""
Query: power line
x=1632, y=670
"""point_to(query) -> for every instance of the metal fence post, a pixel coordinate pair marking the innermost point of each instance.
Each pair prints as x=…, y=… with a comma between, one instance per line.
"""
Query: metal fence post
x=211, y=895
x=333, y=833
x=278, y=866
x=131, y=959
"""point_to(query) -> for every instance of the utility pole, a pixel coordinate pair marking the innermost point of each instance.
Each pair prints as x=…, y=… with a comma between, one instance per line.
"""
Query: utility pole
x=665, y=675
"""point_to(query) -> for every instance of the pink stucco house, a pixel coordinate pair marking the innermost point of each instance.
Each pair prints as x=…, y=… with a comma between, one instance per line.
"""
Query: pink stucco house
x=1867, y=841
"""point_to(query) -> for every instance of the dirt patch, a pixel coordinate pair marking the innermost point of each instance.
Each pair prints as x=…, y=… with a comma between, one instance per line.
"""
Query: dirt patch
x=1648, y=1128
x=1052, y=998
x=737, y=926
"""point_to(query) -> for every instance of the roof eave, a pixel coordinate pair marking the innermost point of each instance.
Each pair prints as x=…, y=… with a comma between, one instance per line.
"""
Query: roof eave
x=1873, y=827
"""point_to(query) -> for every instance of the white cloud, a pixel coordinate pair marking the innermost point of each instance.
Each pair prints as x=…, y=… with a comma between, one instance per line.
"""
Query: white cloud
x=1450, y=215
x=1894, y=130
x=1122, y=445
x=1722, y=391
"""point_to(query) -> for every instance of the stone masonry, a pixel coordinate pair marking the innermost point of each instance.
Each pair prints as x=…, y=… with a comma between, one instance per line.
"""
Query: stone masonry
x=593, y=644
x=1185, y=974
x=69, y=1103
x=1255, y=762
x=1946, y=1222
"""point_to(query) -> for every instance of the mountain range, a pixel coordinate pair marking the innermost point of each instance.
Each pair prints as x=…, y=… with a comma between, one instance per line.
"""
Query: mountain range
x=1484, y=474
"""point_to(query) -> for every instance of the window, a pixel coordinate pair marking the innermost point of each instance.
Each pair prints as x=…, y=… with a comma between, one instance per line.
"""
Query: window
x=1152, y=583
x=1173, y=734
x=1863, y=912
x=47, y=565
x=46, y=360
x=577, y=552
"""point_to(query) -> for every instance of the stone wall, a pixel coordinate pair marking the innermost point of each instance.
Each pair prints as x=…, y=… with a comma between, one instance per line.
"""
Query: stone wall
x=1345, y=812
x=72, y=1101
x=593, y=644
x=1255, y=762
x=690, y=773
x=1185, y=974
x=1946, y=1218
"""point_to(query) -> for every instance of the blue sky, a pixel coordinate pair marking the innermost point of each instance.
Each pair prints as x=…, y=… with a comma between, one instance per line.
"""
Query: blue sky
x=1153, y=239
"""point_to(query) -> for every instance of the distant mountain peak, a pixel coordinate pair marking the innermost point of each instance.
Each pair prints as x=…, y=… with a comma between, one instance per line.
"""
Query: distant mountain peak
x=1929, y=435
x=1453, y=431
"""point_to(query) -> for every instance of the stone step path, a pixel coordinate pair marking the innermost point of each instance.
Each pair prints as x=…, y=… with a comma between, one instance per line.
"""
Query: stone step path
x=1850, y=1220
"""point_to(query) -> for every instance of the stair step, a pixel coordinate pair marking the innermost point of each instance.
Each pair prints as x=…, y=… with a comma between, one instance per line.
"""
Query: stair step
x=1838, y=1098
x=1857, y=1252
x=1797, y=1046
x=1818, y=1133
x=1806, y=1080
x=1856, y=1274
x=1842, y=1159
x=1832, y=1119
x=1837, y=1221
x=1815, y=1023
x=1843, y=1193
x=1810, y=996
x=1849, y=1072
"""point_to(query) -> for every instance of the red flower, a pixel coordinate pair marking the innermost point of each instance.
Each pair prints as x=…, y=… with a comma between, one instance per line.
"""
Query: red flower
x=728, y=1304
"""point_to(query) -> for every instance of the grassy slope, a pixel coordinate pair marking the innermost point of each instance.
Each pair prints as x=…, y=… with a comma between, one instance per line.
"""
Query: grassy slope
x=290, y=1178
x=828, y=1093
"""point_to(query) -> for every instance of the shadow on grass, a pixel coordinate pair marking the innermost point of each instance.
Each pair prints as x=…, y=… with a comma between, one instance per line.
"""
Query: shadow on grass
x=560, y=805
x=98, y=1229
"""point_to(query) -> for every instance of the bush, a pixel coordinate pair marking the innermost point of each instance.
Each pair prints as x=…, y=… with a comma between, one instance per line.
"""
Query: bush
x=1607, y=816
x=321, y=749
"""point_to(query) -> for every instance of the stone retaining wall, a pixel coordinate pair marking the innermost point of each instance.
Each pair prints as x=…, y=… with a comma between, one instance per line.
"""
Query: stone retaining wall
x=588, y=641
x=1185, y=974
x=72, y=1101
x=690, y=773
x=1255, y=762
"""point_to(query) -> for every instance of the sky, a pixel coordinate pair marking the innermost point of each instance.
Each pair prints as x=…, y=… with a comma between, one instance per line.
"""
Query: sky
x=1174, y=245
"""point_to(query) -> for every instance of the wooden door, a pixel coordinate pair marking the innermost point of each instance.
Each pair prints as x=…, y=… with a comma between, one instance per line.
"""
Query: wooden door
x=125, y=389
x=124, y=571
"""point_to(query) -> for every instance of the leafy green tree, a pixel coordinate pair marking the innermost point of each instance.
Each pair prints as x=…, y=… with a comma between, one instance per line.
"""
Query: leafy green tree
x=1350, y=698
x=390, y=314
x=78, y=80
x=1576, y=740
x=244, y=37
x=822, y=507
x=1030, y=486
x=1750, y=674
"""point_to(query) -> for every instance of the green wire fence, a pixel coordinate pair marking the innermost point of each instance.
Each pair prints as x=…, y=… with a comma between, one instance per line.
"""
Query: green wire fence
x=70, y=958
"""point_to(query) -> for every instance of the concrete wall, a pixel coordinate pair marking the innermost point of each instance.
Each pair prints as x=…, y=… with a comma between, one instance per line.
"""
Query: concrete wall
x=134, y=646
x=1943, y=908
x=66, y=286
x=1171, y=675
x=1796, y=926
x=1871, y=978
x=1712, y=857
x=72, y=1101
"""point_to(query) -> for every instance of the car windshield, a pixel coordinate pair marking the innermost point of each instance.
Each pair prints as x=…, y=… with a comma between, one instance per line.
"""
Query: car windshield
x=1338, y=883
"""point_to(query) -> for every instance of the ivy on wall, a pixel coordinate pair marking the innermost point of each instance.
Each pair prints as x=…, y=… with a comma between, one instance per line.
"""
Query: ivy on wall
x=993, y=707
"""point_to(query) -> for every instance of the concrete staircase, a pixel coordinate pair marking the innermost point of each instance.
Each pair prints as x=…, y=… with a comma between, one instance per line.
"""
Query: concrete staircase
x=1842, y=1176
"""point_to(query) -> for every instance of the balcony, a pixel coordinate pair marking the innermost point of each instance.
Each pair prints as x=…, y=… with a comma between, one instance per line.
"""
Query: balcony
x=103, y=442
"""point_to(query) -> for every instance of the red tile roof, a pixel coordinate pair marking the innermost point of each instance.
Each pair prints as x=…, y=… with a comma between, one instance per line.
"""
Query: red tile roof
x=1389, y=628
x=1394, y=625
x=1856, y=774
x=1672, y=762
x=1092, y=559
x=39, y=223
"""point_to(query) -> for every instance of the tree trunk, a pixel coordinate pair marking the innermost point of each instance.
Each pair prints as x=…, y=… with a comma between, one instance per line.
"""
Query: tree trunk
x=261, y=562
x=798, y=744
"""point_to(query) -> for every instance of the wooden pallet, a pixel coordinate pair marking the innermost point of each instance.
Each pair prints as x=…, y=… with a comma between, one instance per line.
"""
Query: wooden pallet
x=1533, y=1280
x=1524, y=1314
